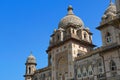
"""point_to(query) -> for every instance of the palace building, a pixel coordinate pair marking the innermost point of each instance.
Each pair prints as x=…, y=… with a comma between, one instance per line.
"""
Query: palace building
x=73, y=56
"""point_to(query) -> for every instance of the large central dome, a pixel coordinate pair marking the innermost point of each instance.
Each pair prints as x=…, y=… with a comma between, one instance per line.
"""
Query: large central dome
x=70, y=19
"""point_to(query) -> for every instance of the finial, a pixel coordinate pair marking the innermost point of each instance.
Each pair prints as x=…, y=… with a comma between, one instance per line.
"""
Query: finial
x=70, y=10
x=111, y=3
x=30, y=52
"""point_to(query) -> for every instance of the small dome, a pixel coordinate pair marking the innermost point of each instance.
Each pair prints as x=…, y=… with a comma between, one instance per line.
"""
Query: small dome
x=31, y=59
x=111, y=11
x=70, y=19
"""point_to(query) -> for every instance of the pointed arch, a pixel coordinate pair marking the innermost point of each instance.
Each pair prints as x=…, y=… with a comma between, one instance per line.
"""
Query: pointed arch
x=84, y=71
x=79, y=74
x=113, y=68
x=113, y=65
x=90, y=70
x=108, y=37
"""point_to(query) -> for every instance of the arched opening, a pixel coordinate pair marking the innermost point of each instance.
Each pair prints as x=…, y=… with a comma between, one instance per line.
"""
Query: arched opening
x=85, y=35
x=100, y=67
x=90, y=70
x=84, y=72
x=62, y=68
x=29, y=70
x=58, y=37
x=50, y=59
x=108, y=37
x=113, y=68
x=79, y=75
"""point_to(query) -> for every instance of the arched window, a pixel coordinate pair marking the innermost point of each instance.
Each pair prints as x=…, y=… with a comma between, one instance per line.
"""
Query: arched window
x=58, y=37
x=113, y=68
x=90, y=70
x=29, y=70
x=112, y=65
x=50, y=59
x=73, y=31
x=79, y=75
x=84, y=72
x=100, y=67
x=85, y=35
x=108, y=37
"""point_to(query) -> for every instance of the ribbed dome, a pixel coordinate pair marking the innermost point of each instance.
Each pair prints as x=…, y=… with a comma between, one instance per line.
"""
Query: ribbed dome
x=31, y=59
x=70, y=19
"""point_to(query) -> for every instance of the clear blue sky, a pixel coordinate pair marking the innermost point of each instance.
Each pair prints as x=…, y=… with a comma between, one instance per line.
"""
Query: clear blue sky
x=26, y=25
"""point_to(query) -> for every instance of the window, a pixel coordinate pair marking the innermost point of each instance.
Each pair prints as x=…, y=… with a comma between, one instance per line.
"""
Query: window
x=29, y=70
x=112, y=65
x=90, y=70
x=85, y=35
x=58, y=37
x=100, y=67
x=84, y=72
x=113, y=68
x=50, y=59
x=73, y=31
x=108, y=37
x=79, y=73
x=119, y=37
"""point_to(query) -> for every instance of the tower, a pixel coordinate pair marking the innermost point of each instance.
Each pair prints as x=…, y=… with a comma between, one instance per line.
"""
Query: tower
x=70, y=40
x=109, y=26
x=30, y=67
x=118, y=6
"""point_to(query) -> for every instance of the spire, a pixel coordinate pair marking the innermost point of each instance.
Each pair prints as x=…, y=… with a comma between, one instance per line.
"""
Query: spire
x=70, y=10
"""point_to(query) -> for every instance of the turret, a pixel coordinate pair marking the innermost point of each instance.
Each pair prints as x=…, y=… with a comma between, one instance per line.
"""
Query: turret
x=118, y=7
x=109, y=26
x=30, y=67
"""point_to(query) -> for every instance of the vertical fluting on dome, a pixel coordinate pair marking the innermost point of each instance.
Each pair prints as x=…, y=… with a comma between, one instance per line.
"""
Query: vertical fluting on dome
x=70, y=19
x=70, y=10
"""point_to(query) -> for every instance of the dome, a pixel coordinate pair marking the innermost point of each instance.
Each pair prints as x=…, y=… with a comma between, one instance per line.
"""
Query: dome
x=111, y=8
x=71, y=19
x=31, y=59
x=110, y=12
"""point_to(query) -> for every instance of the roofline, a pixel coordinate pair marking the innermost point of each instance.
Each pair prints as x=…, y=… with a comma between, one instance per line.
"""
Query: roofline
x=70, y=39
x=115, y=21
x=99, y=50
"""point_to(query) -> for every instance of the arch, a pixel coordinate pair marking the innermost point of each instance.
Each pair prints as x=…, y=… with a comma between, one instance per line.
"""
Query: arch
x=100, y=66
x=113, y=65
x=29, y=70
x=84, y=71
x=108, y=37
x=85, y=35
x=58, y=37
x=90, y=70
x=50, y=59
x=62, y=67
x=79, y=74
x=113, y=68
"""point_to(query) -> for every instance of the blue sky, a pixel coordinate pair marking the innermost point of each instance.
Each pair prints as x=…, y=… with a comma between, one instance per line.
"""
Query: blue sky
x=26, y=25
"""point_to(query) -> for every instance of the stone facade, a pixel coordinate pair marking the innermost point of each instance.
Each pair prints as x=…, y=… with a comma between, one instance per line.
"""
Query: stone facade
x=71, y=53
